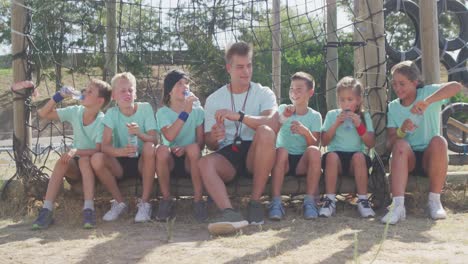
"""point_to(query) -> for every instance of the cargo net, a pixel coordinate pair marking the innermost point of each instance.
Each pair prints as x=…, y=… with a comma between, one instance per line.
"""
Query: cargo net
x=66, y=44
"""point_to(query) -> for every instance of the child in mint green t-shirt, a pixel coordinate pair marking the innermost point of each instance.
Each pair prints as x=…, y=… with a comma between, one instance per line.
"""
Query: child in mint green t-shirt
x=180, y=123
x=413, y=132
x=124, y=125
x=86, y=121
x=297, y=142
x=347, y=132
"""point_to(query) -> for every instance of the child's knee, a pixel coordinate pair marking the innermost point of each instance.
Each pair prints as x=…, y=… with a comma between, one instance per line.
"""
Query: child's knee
x=281, y=155
x=313, y=153
x=193, y=151
x=162, y=153
x=332, y=158
x=359, y=159
x=438, y=142
x=401, y=147
x=97, y=160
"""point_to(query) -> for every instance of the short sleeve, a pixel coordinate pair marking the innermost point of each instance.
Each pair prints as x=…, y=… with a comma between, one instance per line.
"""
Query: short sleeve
x=316, y=125
x=200, y=116
x=268, y=100
x=391, y=121
x=99, y=132
x=108, y=119
x=329, y=119
x=369, y=124
x=67, y=114
x=150, y=121
x=162, y=119
x=210, y=109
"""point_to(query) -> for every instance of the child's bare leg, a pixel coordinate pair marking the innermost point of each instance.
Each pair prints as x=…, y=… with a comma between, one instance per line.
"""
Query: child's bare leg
x=333, y=168
x=279, y=170
x=87, y=174
x=70, y=169
x=147, y=167
x=164, y=166
x=435, y=162
x=193, y=154
x=403, y=161
x=359, y=169
x=107, y=170
x=310, y=164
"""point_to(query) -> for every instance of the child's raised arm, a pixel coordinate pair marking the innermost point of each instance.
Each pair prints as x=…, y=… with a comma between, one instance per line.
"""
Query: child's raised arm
x=445, y=91
x=49, y=111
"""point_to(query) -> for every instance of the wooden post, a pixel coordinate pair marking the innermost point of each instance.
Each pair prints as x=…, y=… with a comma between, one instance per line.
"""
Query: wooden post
x=332, y=56
x=276, y=50
x=19, y=66
x=110, y=68
x=370, y=67
x=429, y=29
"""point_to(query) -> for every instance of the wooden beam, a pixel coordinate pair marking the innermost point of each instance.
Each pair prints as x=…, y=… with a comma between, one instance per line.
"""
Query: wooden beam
x=332, y=56
x=276, y=50
x=429, y=29
x=457, y=124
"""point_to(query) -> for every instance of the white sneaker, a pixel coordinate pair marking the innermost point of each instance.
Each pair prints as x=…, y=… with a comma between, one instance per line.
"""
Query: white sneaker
x=364, y=208
x=395, y=214
x=116, y=210
x=328, y=208
x=436, y=210
x=144, y=212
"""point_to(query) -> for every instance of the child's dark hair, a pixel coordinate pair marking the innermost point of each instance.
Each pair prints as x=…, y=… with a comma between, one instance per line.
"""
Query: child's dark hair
x=410, y=70
x=305, y=77
x=240, y=48
x=355, y=86
x=104, y=91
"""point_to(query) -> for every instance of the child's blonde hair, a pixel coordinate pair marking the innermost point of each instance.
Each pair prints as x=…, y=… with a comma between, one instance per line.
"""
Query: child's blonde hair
x=410, y=70
x=355, y=86
x=124, y=75
x=104, y=90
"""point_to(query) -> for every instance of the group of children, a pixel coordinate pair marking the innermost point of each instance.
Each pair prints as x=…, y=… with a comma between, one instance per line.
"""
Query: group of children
x=103, y=146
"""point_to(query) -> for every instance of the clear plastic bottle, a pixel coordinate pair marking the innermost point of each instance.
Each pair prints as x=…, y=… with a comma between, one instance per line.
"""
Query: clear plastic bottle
x=348, y=123
x=68, y=90
x=196, y=104
x=133, y=140
x=416, y=120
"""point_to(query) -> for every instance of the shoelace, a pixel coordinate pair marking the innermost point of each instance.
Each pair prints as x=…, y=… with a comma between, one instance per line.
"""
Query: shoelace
x=327, y=202
x=364, y=202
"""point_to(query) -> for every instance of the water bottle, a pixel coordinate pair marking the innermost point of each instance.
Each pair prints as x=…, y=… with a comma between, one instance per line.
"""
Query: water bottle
x=133, y=140
x=348, y=122
x=196, y=104
x=222, y=141
x=416, y=120
x=68, y=90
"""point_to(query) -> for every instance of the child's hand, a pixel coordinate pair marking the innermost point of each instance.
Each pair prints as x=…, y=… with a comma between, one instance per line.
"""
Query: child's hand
x=341, y=118
x=128, y=151
x=218, y=131
x=133, y=129
x=66, y=157
x=289, y=110
x=419, y=107
x=355, y=118
x=178, y=151
x=188, y=104
x=222, y=114
x=298, y=128
x=408, y=126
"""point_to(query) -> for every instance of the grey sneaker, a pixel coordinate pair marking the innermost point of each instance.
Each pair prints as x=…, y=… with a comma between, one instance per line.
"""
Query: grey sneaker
x=165, y=210
x=310, y=209
x=89, y=219
x=229, y=222
x=255, y=213
x=44, y=219
x=200, y=211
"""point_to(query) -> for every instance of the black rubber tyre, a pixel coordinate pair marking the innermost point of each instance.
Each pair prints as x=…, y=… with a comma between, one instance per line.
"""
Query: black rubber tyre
x=462, y=65
x=461, y=12
x=450, y=109
x=412, y=11
x=378, y=184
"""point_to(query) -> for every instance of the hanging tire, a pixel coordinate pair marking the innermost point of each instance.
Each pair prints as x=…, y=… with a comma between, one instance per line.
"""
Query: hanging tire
x=450, y=64
x=449, y=110
x=461, y=13
x=412, y=11
x=378, y=184
x=462, y=65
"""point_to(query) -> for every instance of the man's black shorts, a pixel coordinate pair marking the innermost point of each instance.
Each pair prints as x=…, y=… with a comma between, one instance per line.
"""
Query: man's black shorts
x=237, y=159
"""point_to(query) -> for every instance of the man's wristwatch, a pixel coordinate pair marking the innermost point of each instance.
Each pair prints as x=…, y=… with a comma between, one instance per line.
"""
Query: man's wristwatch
x=241, y=115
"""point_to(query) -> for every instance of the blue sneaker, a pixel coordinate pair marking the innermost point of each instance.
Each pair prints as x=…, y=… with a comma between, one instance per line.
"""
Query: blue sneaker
x=89, y=218
x=276, y=210
x=43, y=220
x=310, y=210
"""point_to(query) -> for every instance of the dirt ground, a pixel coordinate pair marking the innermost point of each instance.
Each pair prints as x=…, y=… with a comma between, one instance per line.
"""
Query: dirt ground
x=293, y=240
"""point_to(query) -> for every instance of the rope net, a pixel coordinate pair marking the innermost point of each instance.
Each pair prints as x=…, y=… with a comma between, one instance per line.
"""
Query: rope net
x=66, y=43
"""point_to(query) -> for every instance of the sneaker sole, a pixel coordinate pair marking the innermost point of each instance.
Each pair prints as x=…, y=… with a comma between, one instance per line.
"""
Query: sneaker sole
x=38, y=227
x=224, y=228
x=275, y=218
x=89, y=226
x=257, y=223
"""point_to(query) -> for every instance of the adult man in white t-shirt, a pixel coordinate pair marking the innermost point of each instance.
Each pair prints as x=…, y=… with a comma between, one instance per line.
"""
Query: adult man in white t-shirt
x=240, y=124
